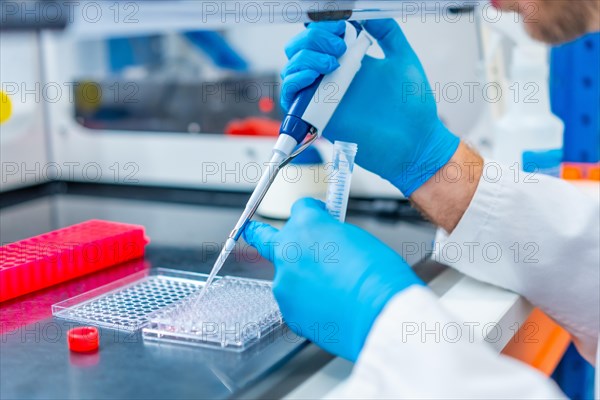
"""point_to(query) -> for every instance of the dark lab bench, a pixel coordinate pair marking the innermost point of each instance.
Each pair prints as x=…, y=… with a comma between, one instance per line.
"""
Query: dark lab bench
x=186, y=228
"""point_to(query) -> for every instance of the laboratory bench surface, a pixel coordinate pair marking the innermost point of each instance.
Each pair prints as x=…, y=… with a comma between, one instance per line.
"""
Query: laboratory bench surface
x=186, y=229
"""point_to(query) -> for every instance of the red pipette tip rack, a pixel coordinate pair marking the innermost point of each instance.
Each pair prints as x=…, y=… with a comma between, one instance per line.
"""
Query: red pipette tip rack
x=54, y=257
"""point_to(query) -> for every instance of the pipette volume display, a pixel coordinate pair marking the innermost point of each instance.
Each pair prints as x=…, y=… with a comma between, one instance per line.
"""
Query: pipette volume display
x=338, y=191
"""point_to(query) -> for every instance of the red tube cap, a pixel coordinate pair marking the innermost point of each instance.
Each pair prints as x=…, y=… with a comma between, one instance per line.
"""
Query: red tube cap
x=83, y=339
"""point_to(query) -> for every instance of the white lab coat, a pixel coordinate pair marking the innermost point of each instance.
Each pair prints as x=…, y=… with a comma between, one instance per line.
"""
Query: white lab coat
x=561, y=278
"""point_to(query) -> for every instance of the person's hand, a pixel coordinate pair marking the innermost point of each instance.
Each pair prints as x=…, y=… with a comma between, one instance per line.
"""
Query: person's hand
x=389, y=110
x=331, y=279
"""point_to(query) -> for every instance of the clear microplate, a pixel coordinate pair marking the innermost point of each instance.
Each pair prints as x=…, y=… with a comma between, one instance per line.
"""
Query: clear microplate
x=233, y=315
x=126, y=304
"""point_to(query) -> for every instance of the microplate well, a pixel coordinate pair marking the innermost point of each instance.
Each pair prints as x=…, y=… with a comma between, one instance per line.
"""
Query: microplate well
x=233, y=314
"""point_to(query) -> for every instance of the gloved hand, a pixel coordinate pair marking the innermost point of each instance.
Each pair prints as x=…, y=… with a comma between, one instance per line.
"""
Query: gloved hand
x=389, y=109
x=331, y=279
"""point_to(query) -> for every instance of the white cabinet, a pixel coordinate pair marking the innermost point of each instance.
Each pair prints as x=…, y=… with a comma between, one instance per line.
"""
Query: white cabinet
x=23, y=142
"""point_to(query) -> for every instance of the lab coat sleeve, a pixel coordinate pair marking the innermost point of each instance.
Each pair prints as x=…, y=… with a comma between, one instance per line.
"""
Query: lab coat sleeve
x=539, y=237
x=416, y=349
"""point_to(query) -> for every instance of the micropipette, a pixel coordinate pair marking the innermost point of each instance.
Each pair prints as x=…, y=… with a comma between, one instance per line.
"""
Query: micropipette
x=309, y=114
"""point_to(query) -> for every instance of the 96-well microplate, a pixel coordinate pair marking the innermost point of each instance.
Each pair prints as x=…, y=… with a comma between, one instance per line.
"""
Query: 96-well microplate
x=126, y=306
x=233, y=314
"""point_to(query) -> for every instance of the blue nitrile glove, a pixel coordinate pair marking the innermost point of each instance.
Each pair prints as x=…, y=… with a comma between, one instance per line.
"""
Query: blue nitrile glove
x=331, y=279
x=389, y=110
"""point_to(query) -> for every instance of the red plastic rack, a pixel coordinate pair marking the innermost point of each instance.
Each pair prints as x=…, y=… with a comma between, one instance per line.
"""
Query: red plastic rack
x=54, y=257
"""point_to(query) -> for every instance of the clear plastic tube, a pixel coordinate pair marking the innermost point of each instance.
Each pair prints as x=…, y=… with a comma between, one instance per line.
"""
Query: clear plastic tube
x=338, y=191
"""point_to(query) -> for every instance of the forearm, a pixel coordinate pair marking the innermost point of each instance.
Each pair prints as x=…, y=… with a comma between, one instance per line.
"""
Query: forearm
x=444, y=198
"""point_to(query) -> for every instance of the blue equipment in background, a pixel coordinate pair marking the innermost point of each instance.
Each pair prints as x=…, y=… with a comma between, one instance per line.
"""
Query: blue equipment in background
x=575, y=376
x=218, y=49
x=147, y=50
x=575, y=94
x=134, y=51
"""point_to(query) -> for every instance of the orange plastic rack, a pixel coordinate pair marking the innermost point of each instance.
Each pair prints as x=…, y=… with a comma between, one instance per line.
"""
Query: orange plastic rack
x=540, y=342
x=581, y=171
x=42, y=261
